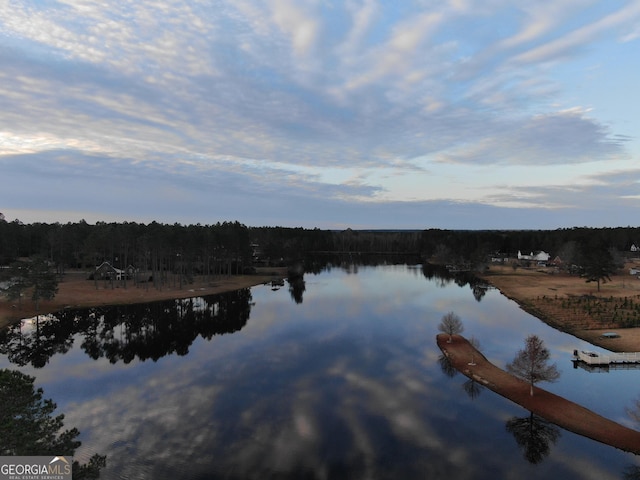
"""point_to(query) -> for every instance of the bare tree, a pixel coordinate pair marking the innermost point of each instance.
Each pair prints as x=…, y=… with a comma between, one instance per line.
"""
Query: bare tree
x=531, y=365
x=451, y=325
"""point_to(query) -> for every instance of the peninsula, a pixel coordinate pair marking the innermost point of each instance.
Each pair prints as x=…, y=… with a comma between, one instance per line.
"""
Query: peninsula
x=558, y=410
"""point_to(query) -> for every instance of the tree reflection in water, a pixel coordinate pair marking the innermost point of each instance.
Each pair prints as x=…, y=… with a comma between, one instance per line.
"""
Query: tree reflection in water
x=445, y=276
x=470, y=386
x=446, y=366
x=534, y=435
x=123, y=333
x=297, y=286
x=634, y=412
x=28, y=427
x=632, y=472
x=473, y=388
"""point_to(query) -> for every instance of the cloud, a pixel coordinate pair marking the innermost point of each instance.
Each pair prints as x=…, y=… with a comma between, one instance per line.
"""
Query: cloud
x=587, y=195
x=580, y=37
x=290, y=99
x=564, y=137
x=301, y=26
x=248, y=425
x=397, y=55
x=363, y=15
x=540, y=20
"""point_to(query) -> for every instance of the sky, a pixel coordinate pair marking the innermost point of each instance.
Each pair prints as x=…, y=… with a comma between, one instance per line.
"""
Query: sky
x=453, y=114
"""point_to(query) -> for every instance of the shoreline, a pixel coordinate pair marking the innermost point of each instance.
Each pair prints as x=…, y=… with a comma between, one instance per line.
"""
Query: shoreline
x=75, y=291
x=558, y=410
x=536, y=291
x=546, y=295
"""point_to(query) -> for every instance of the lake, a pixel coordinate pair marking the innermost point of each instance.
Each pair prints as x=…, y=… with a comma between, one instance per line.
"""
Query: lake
x=335, y=376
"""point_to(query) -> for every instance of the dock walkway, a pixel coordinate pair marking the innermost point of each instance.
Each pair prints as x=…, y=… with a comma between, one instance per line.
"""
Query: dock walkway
x=594, y=358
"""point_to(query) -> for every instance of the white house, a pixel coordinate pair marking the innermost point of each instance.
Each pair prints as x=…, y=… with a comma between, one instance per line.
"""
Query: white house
x=540, y=256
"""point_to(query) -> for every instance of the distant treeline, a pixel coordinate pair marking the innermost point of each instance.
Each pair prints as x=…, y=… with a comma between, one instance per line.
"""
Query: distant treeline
x=205, y=247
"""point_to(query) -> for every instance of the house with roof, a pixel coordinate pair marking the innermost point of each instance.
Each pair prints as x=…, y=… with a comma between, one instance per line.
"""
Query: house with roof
x=107, y=271
x=556, y=262
x=540, y=256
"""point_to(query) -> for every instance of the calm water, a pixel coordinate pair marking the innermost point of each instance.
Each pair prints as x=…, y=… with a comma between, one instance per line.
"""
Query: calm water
x=339, y=379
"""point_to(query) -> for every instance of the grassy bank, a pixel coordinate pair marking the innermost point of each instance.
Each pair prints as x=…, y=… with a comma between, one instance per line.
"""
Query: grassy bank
x=78, y=292
x=568, y=303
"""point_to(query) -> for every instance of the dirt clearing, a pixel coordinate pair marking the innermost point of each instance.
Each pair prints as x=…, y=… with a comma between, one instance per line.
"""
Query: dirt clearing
x=76, y=291
x=568, y=303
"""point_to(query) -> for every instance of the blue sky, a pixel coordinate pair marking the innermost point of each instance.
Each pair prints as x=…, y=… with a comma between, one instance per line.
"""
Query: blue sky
x=329, y=114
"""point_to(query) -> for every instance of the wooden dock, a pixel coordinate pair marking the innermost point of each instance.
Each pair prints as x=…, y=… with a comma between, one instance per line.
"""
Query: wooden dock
x=599, y=359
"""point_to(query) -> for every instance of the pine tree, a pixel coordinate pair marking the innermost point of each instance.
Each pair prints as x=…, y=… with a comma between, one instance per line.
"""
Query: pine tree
x=34, y=274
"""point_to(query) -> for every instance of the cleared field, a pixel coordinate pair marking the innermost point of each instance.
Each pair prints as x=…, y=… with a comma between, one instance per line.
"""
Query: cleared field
x=76, y=291
x=569, y=303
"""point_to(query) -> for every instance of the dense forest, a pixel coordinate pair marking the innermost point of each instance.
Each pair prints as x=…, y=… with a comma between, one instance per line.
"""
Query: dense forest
x=234, y=247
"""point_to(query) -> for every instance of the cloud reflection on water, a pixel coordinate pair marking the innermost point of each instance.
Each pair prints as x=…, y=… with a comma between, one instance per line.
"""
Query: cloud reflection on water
x=333, y=387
